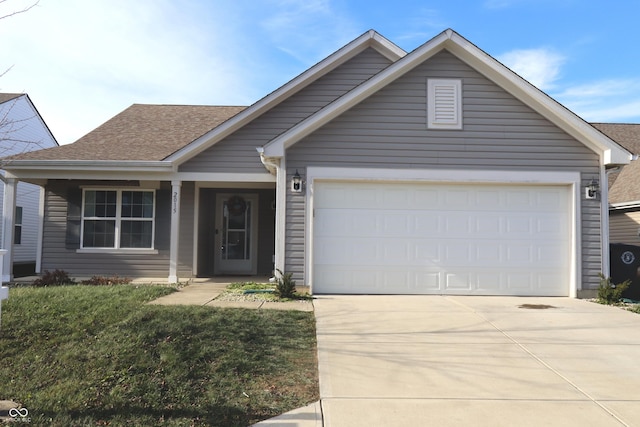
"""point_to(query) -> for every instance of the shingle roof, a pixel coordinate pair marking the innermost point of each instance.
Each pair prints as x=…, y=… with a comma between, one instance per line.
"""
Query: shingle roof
x=624, y=186
x=141, y=132
x=4, y=97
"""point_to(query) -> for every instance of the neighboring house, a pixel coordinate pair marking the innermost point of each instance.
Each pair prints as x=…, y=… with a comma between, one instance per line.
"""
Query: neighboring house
x=624, y=186
x=438, y=171
x=22, y=130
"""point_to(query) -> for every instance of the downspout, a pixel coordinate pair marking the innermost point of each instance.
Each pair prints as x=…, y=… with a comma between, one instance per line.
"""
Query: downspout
x=604, y=215
x=276, y=166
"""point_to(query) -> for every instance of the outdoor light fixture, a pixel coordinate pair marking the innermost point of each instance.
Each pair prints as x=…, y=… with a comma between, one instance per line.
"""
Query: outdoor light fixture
x=296, y=183
x=591, y=191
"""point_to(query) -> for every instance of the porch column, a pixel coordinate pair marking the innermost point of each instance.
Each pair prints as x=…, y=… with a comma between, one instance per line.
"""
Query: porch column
x=281, y=214
x=175, y=229
x=8, y=214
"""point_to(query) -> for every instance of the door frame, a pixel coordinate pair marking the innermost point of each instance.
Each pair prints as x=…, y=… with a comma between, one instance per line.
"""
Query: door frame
x=253, y=236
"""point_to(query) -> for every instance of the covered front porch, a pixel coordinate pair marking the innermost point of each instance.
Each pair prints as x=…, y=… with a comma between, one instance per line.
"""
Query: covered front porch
x=234, y=232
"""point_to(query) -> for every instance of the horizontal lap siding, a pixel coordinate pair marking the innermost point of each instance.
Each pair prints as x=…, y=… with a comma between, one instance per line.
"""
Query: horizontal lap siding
x=624, y=227
x=28, y=197
x=237, y=153
x=388, y=130
x=57, y=256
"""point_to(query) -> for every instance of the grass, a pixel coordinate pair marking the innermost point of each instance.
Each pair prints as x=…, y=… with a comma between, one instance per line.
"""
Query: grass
x=238, y=288
x=86, y=355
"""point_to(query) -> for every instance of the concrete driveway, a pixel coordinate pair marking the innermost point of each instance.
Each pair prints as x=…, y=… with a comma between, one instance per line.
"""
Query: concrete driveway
x=481, y=361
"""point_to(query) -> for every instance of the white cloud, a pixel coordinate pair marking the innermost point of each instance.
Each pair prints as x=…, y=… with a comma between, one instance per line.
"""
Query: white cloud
x=606, y=100
x=83, y=62
x=541, y=67
x=312, y=27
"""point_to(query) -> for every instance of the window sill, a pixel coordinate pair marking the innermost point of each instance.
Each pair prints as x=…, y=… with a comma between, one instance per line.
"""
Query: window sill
x=131, y=251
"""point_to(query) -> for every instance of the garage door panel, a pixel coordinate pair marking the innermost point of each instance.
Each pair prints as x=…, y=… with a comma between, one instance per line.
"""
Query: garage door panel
x=438, y=238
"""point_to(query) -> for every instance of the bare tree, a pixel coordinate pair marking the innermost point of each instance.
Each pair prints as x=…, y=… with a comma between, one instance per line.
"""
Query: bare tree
x=11, y=141
x=16, y=12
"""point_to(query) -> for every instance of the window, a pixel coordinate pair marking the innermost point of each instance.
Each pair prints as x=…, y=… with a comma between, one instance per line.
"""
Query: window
x=17, y=226
x=444, y=104
x=118, y=219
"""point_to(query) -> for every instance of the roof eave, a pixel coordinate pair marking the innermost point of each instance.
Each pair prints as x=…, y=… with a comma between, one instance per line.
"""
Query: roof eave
x=89, y=165
x=624, y=205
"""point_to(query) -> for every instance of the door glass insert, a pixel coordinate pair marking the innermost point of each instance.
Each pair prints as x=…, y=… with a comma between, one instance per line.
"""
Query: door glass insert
x=236, y=229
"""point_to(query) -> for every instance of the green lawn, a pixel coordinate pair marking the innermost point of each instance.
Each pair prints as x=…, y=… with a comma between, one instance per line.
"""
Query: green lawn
x=82, y=355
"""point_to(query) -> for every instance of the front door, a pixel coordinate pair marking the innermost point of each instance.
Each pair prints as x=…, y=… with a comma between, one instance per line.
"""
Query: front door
x=236, y=234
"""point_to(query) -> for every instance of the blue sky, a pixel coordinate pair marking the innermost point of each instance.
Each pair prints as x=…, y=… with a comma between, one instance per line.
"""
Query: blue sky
x=84, y=61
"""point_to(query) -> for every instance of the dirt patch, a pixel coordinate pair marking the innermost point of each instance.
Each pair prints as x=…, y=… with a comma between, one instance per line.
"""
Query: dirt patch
x=536, y=306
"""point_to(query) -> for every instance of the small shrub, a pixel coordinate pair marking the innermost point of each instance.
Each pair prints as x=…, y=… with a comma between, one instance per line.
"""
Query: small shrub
x=55, y=278
x=610, y=293
x=285, y=286
x=106, y=281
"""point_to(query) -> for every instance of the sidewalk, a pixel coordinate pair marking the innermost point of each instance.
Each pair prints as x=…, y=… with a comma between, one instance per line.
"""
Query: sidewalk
x=205, y=293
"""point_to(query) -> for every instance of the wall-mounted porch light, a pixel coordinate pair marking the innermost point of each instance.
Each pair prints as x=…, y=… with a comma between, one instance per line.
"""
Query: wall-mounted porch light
x=296, y=183
x=592, y=190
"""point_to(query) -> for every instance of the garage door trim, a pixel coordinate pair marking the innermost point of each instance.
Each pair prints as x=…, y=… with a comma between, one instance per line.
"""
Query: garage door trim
x=451, y=176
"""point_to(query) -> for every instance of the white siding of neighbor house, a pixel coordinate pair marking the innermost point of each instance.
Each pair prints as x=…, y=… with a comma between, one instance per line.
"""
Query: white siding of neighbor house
x=389, y=130
x=237, y=153
x=22, y=130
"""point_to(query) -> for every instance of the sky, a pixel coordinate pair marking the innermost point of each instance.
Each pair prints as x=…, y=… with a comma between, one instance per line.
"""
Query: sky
x=84, y=61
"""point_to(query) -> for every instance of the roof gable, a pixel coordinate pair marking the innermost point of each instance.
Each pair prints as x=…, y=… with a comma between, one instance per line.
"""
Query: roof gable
x=370, y=39
x=22, y=128
x=609, y=151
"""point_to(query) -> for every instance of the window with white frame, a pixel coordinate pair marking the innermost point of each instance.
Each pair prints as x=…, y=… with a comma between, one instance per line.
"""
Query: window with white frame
x=118, y=218
x=444, y=104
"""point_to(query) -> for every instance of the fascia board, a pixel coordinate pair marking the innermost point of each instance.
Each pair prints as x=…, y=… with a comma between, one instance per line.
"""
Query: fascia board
x=89, y=166
x=277, y=146
x=609, y=151
x=368, y=39
x=41, y=120
x=624, y=205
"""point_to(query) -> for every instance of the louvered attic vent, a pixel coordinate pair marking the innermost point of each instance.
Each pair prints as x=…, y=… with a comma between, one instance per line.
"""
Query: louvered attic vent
x=444, y=104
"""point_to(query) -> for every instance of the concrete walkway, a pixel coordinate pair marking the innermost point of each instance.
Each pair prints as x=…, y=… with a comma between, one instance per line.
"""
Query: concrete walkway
x=481, y=361
x=205, y=292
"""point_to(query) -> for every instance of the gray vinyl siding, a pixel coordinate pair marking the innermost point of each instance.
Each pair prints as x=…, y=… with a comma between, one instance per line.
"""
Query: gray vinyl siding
x=388, y=130
x=237, y=153
x=56, y=255
x=623, y=227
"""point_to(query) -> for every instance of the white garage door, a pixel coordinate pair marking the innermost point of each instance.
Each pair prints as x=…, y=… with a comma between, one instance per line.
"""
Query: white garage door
x=399, y=238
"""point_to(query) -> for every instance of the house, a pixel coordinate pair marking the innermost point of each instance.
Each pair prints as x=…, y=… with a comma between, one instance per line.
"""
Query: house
x=22, y=129
x=438, y=171
x=624, y=186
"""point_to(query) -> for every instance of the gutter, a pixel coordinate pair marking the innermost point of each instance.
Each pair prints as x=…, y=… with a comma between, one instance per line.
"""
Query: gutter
x=624, y=206
x=270, y=163
x=91, y=165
